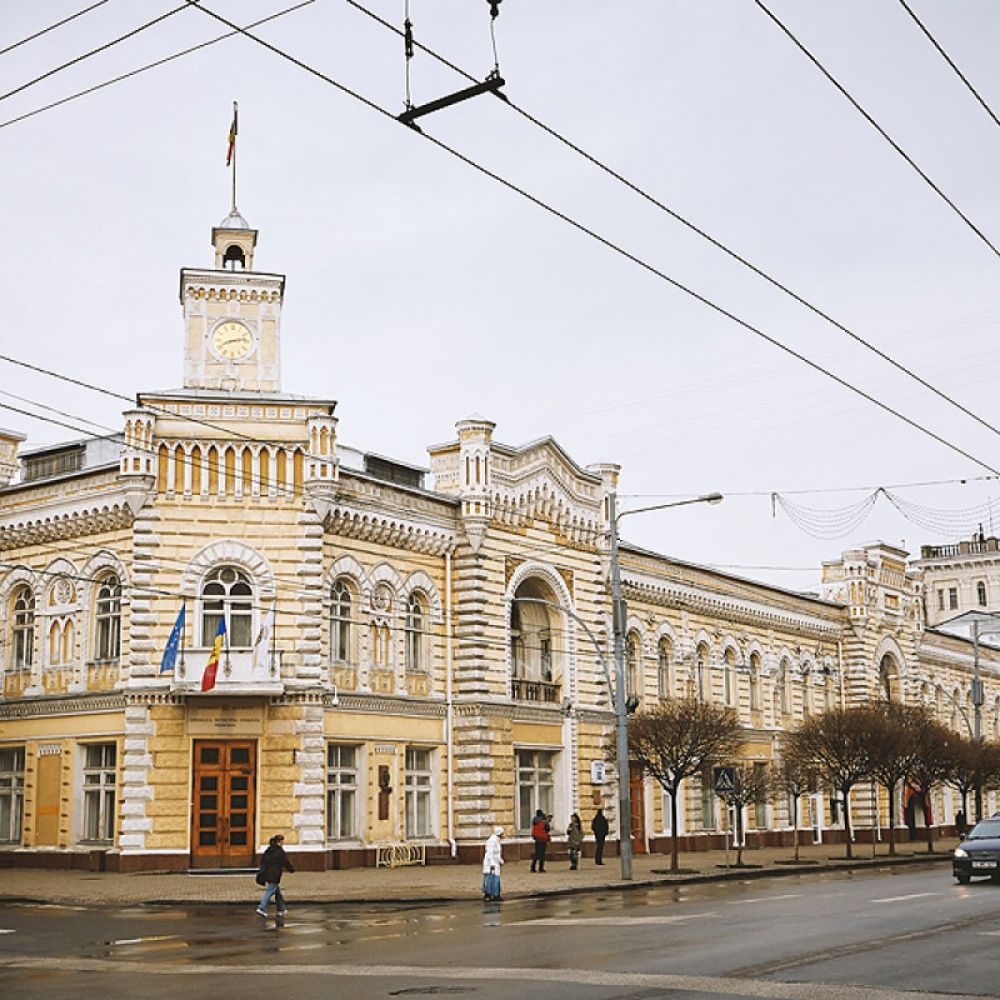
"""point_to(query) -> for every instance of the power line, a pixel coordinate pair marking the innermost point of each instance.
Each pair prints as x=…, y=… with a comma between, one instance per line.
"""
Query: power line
x=511, y=186
x=944, y=55
x=149, y=66
x=714, y=241
x=94, y=52
x=878, y=128
x=52, y=27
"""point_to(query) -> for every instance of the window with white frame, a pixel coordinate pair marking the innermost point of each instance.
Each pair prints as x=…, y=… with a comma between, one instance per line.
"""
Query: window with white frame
x=729, y=678
x=632, y=663
x=415, y=630
x=806, y=693
x=341, y=791
x=108, y=618
x=227, y=593
x=11, y=794
x=665, y=654
x=981, y=593
x=754, y=672
x=707, y=800
x=535, y=785
x=99, y=781
x=701, y=671
x=760, y=800
x=24, y=628
x=341, y=624
x=418, y=786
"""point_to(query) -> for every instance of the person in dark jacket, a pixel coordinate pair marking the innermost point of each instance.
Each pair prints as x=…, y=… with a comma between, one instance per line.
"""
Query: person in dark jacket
x=540, y=835
x=574, y=840
x=272, y=864
x=599, y=827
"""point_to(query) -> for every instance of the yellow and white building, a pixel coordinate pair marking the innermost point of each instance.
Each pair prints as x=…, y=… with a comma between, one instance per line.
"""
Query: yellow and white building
x=431, y=671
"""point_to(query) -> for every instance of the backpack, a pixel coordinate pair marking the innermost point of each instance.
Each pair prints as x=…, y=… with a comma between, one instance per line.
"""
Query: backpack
x=260, y=878
x=540, y=830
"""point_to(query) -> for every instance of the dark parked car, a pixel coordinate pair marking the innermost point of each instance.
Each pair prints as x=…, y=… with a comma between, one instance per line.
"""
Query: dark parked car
x=979, y=852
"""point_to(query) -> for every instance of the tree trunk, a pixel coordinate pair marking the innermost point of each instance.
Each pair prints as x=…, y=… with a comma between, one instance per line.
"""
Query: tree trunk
x=847, y=820
x=795, y=825
x=674, y=866
x=979, y=805
x=892, y=819
x=738, y=810
x=927, y=821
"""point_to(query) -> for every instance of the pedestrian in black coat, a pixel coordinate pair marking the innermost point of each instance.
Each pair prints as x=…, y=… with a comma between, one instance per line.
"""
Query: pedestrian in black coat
x=599, y=827
x=272, y=864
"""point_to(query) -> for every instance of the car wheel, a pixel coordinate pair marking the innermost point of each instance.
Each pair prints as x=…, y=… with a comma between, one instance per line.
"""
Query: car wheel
x=962, y=878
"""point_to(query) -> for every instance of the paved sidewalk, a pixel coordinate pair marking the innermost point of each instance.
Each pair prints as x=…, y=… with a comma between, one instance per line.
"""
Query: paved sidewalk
x=435, y=882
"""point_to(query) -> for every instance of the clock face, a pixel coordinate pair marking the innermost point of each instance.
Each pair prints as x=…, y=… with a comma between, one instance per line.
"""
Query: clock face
x=232, y=340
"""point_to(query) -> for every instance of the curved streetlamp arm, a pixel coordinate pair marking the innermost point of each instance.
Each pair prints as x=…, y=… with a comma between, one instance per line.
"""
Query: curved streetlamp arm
x=957, y=705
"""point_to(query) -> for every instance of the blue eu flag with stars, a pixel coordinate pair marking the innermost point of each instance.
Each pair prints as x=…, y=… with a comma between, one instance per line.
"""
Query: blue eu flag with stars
x=173, y=644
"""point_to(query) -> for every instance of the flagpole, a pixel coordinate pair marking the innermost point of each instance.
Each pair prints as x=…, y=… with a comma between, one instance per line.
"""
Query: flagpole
x=274, y=622
x=183, y=633
x=228, y=667
x=235, y=132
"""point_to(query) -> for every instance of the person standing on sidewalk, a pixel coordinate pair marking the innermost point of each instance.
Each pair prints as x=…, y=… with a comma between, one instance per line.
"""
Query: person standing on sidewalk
x=492, y=862
x=272, y=864
x=574, y=840
x=599, y=826
x=540, y=835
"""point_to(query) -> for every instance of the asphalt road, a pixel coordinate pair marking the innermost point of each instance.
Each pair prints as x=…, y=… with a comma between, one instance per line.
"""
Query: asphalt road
x=884, y=935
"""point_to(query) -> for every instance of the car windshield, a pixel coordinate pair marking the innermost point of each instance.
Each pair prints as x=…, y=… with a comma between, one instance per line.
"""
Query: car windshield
x=988, y=828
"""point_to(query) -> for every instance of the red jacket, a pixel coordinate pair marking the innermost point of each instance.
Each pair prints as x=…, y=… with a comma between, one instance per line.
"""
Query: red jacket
x=540, y=830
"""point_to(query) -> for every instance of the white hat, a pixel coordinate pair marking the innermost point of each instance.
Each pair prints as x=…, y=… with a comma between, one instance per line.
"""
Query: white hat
x=498, y=830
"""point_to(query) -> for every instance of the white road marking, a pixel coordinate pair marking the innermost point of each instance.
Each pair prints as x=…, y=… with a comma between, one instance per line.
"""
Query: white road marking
x=6, y=930
x=764, y=899
x=610, y=921
x=899, y=899
x=989, y=933
x=719, y=985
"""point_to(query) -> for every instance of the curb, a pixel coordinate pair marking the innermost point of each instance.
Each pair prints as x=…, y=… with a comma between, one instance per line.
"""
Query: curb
x=737, y=875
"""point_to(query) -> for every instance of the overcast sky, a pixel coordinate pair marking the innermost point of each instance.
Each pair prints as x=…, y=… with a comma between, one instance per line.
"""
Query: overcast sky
x=420, y=291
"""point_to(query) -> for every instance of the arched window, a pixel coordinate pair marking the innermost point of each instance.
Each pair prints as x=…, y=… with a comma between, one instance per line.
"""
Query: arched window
x=341, y=613
x=781, y=692
x=729, y=677
x=415, y=633
x=890, y=679
x=108, y=617
x=632, y=676
x=701, y=671
x=537, y=650
x=754, y=677
x=981, y=593
x=806, y=691
x=227, y=594
x=665, y=654
x=24, y=628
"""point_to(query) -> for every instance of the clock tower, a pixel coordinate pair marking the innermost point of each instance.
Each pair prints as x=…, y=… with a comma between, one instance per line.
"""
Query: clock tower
x=232, y=316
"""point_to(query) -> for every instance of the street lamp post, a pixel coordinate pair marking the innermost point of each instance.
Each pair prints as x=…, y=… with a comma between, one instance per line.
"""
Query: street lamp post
x=621, y=695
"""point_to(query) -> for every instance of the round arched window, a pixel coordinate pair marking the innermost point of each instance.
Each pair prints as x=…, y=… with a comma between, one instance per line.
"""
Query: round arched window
x=227, y=594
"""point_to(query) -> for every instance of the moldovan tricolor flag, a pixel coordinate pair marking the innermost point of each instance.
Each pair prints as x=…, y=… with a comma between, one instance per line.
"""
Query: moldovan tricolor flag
x=232, y=138
x=262, y=645
x=173, y=643
x=212, y=667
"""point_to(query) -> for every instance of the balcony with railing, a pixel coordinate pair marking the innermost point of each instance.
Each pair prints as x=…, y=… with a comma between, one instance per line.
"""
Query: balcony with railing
x=545, y=692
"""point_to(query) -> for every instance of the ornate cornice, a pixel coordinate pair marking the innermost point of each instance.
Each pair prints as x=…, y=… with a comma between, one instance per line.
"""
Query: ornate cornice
x=79, y=705
x=67, y=518
x=382, y=527
x=673, y=594
x=383, y=705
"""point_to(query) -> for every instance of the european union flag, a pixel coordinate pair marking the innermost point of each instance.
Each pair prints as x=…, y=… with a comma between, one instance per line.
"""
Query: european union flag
x=173, y=643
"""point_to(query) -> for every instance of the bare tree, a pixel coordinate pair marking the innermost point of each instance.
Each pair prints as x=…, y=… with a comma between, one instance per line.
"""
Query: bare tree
x=751, y=785
x=976, y=768
x=679, y=738
x=833, y=744
x=892, y=750
x=795, y=779
x=934, y=760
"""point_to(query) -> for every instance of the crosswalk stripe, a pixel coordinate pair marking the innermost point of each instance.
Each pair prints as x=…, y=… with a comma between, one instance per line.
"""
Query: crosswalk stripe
x=611, y=921
x=899, y=899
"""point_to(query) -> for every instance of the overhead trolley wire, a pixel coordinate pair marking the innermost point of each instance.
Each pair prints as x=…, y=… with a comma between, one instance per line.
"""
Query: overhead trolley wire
x=951, y=62
x=593, y=234
x=693, y=227
x=878, y=128
x=94, y=52
x=149, y=66
x=52, y=27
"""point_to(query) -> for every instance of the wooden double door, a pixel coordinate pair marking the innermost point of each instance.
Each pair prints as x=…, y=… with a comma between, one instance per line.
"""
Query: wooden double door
x=222, y=805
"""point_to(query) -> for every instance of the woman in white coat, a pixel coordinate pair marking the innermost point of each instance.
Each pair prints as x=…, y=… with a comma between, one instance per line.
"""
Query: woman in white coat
x=492, y=862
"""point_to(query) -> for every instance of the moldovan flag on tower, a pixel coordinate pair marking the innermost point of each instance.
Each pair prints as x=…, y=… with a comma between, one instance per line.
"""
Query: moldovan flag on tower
x=232, y=138
x=212, y=667
x=173, y=643
x=262, y=645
